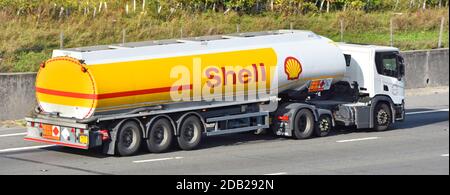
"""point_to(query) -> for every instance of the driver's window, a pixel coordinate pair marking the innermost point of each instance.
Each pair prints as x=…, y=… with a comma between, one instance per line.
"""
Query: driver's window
x=390, y=63
x=386, y=63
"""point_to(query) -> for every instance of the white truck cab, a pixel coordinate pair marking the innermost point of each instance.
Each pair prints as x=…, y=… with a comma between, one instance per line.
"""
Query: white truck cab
x=377, y=75
x=378, y=70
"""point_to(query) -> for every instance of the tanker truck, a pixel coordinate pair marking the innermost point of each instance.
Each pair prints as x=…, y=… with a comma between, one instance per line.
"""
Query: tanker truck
x=157, y=94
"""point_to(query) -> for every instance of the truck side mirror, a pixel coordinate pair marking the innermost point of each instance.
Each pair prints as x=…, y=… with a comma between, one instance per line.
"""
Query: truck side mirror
x=401, y=71
x=401, y=67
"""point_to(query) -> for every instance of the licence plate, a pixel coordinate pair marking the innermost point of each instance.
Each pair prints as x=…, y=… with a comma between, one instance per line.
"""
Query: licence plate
x=84, y=139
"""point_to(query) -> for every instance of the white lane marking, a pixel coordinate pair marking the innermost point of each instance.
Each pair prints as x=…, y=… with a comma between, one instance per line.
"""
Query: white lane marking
x=13, y=134
x=427, y=111
x=158, y=159
x=11, y=129
x=280, y=173
x=23, y=148
x=358, y=139
x=444, y=155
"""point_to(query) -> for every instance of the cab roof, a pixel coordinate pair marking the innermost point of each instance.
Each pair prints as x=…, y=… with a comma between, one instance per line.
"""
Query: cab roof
x=364, y=47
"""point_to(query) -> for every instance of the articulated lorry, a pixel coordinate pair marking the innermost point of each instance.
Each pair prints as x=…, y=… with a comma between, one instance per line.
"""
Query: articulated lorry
x=160, y=93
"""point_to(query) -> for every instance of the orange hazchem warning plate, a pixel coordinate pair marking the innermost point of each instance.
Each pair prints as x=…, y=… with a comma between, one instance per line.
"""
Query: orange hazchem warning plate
x=50, y=132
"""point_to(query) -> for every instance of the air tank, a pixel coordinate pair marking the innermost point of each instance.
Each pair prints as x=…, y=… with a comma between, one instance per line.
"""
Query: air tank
x=82, y=82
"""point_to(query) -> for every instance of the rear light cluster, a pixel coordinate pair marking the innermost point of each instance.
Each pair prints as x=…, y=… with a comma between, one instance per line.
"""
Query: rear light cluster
x=38, y=125
x=33, y=124
x=283, y=118
x=68, y=134
x=105, y=134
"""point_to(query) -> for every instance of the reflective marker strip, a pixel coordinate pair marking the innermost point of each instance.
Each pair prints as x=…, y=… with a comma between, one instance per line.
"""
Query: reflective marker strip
x=57, y=143
x=113, y=95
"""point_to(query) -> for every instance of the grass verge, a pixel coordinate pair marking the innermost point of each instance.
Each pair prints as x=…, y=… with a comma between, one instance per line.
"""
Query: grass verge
x=25, y=41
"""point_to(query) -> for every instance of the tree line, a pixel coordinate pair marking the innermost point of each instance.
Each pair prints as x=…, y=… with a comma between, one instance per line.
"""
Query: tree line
x=23, y=7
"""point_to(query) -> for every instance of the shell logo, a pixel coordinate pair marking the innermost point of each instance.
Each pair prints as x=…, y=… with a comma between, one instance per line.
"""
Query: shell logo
x=292, y=68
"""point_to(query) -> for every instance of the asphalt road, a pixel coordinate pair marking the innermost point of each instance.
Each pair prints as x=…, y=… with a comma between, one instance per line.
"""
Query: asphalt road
x=420, y=145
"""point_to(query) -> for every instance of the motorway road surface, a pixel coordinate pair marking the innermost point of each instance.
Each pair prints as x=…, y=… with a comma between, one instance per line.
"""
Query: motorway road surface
x=420, y=145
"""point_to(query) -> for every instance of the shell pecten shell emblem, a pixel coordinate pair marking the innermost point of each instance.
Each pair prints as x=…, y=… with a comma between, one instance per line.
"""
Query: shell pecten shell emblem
x=292, y=68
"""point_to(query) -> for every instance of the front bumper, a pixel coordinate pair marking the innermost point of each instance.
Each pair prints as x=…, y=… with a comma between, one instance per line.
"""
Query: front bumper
x=400, y=113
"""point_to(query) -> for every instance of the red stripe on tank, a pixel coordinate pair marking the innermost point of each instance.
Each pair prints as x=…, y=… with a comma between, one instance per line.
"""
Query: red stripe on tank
x=112, y=95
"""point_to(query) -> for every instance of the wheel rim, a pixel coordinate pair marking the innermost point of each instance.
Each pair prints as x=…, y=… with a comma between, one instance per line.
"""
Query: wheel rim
x=324, y=125
x=159, y=135
x=189, y=132
x=382, y=117
x=127, y=137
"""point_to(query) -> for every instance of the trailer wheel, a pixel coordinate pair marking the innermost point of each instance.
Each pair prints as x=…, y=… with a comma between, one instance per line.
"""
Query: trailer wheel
x=303, y=124
x=129, y=139
x=190, y=133
x=160, y=136
x=323, y=126
x=382, y=117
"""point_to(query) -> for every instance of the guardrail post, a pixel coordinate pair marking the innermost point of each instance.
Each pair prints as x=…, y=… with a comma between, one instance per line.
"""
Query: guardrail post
x=61, y=40
x=441, y=31
x=342, y=30
x=392, y=32
x=123, y=37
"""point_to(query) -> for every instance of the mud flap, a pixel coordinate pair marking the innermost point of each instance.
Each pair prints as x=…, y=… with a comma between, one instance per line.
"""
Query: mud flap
x=110, y=146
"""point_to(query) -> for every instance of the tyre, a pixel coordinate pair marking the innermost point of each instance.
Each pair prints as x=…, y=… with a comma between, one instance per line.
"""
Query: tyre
x=129, y=138
x=160, y=136
x=382, y=117
x=323, y=126
x=190, y=133
x=303, y=124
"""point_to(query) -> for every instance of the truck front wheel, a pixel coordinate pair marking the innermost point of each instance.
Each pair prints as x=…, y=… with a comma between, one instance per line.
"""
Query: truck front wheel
x=304, y=124
x=160, y=136
x=323, y=126
x=129, y=139
x=382, y=117
x=190, y=133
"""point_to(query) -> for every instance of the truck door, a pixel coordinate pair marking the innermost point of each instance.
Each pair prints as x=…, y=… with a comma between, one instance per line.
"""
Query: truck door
x=390, y=69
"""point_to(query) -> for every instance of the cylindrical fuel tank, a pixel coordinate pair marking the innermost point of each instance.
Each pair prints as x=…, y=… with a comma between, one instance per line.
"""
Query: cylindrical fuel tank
x=80, y=85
